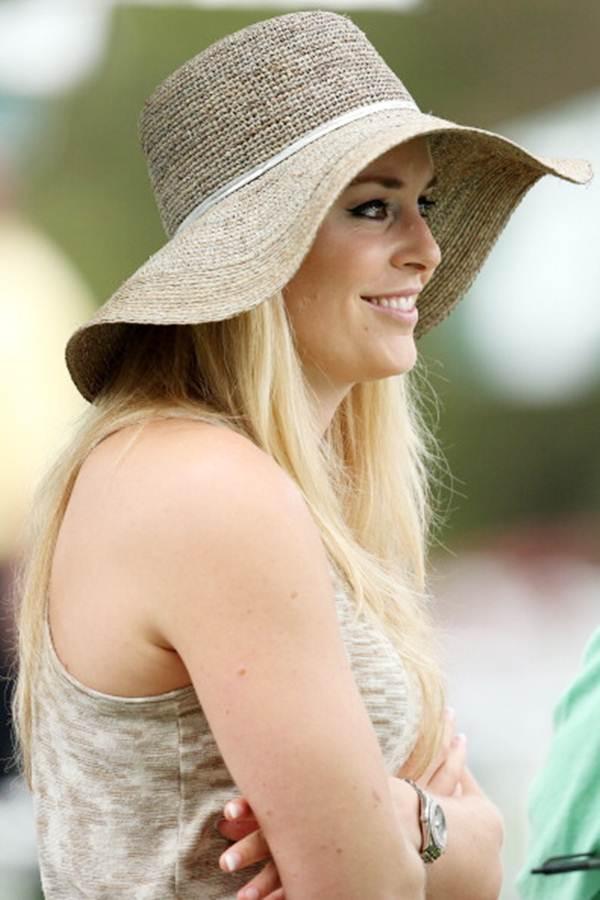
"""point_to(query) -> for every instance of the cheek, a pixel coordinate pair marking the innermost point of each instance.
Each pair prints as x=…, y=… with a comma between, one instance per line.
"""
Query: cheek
x=323, y=297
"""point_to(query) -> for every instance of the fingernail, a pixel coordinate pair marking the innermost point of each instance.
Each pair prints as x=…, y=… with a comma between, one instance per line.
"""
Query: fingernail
x=459, y=739
x=451, y=712
x=250, y=893
x=233, y=810
x=231, y=860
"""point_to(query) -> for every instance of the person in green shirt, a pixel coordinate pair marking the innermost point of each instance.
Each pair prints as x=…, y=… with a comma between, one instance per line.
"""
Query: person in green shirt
x=564, y=800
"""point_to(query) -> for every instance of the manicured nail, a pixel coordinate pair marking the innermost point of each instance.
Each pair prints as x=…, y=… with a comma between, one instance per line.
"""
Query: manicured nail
x=231, y=860
x=233, y=810
x=451, y=712
x=459, y=739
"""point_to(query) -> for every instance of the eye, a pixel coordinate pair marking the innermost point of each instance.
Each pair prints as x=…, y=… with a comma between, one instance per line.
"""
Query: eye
x=426, y=204
x=371, y=204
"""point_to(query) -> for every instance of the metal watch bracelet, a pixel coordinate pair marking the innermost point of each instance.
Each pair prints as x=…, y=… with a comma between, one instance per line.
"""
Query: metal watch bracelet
x=433, y=825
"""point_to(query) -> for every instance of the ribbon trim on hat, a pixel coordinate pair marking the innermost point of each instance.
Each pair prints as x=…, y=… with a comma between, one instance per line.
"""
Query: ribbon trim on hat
x=310, y=136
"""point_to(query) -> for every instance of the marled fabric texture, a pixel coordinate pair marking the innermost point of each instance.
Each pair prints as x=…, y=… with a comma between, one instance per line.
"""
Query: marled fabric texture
x=128, y=790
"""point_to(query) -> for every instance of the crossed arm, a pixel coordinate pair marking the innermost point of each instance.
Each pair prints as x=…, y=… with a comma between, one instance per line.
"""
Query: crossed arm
x=469, y=870
x=224, y=496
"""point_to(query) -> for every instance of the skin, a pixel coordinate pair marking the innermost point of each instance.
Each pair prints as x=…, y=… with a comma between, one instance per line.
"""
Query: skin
x=375, y=240
x=470, y=868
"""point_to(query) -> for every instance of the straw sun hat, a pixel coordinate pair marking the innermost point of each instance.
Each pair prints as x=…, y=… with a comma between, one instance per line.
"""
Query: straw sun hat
x=250, y=142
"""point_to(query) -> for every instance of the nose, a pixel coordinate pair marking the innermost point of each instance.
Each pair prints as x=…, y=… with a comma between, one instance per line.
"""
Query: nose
x=416, y=247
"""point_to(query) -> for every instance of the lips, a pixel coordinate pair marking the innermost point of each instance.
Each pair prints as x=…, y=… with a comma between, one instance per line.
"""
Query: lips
x=405, y=301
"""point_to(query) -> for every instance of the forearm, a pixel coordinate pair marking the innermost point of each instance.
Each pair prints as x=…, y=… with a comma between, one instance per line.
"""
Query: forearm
x=471, y=868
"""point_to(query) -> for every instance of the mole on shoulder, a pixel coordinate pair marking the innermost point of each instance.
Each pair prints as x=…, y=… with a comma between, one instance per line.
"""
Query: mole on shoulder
x=242, y=670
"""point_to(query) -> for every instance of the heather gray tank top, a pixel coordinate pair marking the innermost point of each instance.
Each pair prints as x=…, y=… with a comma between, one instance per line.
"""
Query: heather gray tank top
x=127, y=791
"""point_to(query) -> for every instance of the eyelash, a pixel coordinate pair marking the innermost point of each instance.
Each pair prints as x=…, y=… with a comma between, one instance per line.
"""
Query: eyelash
x=425, y=202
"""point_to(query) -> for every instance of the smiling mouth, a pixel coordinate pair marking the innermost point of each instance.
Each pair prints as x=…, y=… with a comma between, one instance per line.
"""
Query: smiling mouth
x=405, y=304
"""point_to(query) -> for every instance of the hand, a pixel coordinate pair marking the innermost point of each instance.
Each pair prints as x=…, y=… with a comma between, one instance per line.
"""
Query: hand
x=444, y=775
x=241, y=827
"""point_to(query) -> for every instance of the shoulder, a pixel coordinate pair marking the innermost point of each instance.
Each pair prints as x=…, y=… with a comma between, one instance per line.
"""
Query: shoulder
x=578, y=705
x=177, y=458
x=193, y=491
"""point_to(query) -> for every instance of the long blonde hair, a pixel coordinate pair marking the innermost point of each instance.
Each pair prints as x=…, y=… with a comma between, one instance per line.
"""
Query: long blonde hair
x=366, y=481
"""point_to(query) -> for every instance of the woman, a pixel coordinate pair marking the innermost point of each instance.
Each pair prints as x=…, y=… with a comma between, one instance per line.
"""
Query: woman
x=225, y=591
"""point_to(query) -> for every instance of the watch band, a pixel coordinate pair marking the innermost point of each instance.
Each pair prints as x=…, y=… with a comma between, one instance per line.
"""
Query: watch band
x=430, y=848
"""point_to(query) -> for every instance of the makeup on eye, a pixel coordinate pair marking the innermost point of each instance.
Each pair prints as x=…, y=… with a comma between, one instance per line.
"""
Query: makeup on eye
x=425, y=204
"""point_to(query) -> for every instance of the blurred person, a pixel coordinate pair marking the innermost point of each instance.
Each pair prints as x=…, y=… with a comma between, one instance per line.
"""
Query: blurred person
x=41, y=301
x=564, y=801
x=225, y=586
x=6, y=647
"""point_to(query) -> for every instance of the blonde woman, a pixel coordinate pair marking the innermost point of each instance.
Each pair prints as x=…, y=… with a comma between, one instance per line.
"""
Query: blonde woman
x=225, y=592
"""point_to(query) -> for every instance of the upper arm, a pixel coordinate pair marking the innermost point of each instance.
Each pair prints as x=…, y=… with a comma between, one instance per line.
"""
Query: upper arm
x=243, y=593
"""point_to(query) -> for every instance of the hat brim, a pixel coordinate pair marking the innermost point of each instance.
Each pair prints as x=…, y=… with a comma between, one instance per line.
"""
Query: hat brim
x=248, y=246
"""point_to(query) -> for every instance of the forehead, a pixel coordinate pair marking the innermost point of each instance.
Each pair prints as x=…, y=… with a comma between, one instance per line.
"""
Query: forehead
x=404, y=162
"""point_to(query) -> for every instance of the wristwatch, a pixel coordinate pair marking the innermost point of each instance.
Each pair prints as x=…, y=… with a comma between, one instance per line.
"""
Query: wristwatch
x=434, y=831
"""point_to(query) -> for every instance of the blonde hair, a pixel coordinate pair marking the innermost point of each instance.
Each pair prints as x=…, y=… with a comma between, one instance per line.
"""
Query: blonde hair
x=366, y=481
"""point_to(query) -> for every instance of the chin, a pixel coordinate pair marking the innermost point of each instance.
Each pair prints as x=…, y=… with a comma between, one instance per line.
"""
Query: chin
x=406, y=361
x=391, y=371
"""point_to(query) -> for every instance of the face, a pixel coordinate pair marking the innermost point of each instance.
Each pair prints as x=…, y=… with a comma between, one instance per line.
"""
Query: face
x=373, y=243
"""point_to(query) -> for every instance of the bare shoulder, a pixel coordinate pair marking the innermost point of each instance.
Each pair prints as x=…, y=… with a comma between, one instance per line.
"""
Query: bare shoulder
x=155, y=510
x=171, y=466
x=176, y=456
x=189, y=498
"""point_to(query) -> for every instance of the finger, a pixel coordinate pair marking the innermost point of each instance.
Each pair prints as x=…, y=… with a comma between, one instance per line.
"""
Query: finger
x=237, y=808
x=446, y=778
x=262, y=885
x=469, y=784
x=235, y=831
x=449, y=726
x=249, y=850
x=276, y=895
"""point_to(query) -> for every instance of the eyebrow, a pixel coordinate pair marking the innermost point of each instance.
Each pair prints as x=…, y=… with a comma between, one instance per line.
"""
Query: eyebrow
x=386, y=181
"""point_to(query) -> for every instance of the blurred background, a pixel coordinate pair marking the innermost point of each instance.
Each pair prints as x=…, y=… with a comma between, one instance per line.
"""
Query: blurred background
x=516, y=369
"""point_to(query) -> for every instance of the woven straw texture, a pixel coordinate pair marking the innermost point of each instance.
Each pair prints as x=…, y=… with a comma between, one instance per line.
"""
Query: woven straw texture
x=239, y=103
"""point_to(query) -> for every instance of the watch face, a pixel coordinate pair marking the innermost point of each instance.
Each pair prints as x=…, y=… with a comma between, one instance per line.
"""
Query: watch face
x=439, y=830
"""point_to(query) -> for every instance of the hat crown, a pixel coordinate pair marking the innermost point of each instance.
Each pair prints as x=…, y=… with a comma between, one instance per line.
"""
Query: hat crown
x=248, y=96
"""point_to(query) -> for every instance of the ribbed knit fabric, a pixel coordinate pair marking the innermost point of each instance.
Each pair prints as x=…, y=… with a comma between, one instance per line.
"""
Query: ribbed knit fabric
x=128, y=790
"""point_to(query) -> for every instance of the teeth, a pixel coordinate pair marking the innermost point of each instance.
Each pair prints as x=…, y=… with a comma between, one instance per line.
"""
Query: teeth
x=403, y=303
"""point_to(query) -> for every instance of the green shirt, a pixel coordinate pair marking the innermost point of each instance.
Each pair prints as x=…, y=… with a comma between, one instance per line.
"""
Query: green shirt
x=564, y=800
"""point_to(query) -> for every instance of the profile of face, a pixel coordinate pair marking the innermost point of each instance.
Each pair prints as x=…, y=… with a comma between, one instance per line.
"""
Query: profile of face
x=373, y=243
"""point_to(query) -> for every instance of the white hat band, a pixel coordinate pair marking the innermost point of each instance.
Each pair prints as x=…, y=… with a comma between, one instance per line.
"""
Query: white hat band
x=310, y=136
